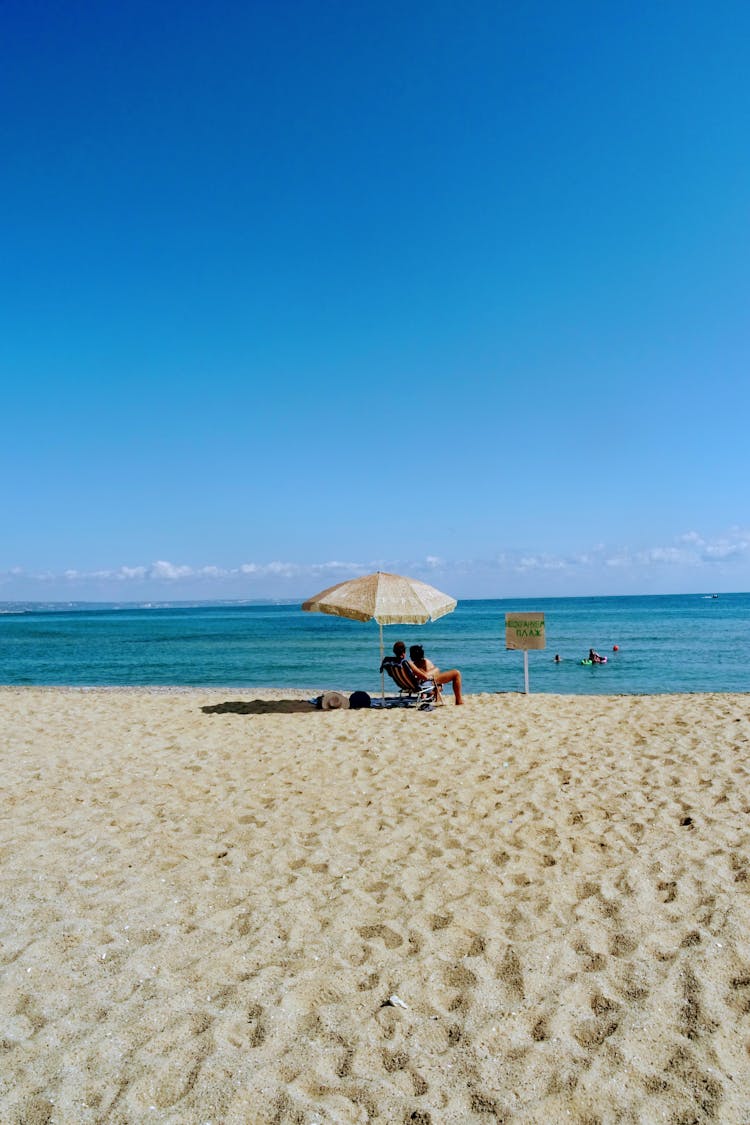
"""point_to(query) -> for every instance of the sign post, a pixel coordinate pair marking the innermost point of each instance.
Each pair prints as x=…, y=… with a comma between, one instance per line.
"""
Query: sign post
x=524, y=631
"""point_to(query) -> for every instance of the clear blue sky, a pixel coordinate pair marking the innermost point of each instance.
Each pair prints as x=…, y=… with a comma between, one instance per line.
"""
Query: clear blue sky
x=293, y=290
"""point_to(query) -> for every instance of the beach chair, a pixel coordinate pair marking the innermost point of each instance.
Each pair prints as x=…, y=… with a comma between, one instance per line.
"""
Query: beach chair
x=423, y=693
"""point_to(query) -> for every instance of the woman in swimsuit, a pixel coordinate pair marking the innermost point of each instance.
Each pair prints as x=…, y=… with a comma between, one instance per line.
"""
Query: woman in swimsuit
x=424, y=669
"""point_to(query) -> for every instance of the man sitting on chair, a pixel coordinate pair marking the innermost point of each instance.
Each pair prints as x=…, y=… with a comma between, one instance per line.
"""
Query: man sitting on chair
x=405, y=676
x=399, y=657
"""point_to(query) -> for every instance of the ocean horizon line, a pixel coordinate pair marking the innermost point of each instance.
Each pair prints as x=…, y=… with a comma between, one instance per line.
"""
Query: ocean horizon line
x=29, y=605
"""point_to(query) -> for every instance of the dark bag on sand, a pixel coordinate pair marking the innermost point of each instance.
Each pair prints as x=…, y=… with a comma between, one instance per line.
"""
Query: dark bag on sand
x=359, y=699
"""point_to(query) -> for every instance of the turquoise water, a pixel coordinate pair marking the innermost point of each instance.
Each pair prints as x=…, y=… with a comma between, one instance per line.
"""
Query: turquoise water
x=667, y=644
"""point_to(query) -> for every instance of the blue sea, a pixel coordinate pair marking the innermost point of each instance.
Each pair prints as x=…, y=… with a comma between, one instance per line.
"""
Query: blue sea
x=681, y=643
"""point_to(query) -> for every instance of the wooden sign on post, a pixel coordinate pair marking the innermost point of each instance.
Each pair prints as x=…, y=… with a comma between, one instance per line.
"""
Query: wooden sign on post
x=522, y=632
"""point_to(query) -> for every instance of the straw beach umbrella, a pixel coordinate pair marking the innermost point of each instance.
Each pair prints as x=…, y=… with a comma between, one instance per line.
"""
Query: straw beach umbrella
x=389, y=599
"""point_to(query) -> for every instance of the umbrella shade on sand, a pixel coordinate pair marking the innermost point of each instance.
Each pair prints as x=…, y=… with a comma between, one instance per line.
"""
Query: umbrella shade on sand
x=389, y=599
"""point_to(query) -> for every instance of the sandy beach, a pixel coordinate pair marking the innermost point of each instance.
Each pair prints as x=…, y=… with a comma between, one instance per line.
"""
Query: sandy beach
x=227, y=907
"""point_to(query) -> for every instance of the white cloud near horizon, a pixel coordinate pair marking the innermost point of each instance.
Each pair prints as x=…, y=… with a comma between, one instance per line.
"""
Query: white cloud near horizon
x=691, y=553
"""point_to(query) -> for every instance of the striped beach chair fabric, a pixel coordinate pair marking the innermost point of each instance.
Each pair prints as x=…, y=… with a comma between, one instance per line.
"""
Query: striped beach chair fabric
x=421, y=692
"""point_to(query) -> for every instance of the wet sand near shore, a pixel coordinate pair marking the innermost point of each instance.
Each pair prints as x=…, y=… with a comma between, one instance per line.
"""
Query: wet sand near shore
x=227, y=907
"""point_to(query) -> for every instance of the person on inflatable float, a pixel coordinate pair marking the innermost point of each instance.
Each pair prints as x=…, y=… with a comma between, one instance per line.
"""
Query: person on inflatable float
x=595, y=658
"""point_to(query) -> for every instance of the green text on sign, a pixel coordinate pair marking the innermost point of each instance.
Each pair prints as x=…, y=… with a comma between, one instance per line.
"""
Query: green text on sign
x=524, y=630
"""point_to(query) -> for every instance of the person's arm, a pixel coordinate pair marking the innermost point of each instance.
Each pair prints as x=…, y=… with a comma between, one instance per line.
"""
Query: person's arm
x=421, y=675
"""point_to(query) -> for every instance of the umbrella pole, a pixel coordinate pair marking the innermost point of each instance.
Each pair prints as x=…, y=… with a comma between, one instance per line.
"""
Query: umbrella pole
x=382, y=674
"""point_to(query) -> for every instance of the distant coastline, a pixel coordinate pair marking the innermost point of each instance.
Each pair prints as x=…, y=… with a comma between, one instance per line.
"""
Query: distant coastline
x=21, y=606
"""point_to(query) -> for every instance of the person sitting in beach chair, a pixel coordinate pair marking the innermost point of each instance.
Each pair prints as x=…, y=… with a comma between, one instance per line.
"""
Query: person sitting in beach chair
x=411, y=687
x=423, y=668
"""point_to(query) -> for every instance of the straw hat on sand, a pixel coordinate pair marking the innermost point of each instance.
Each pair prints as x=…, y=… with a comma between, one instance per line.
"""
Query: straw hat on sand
x=333, y=701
